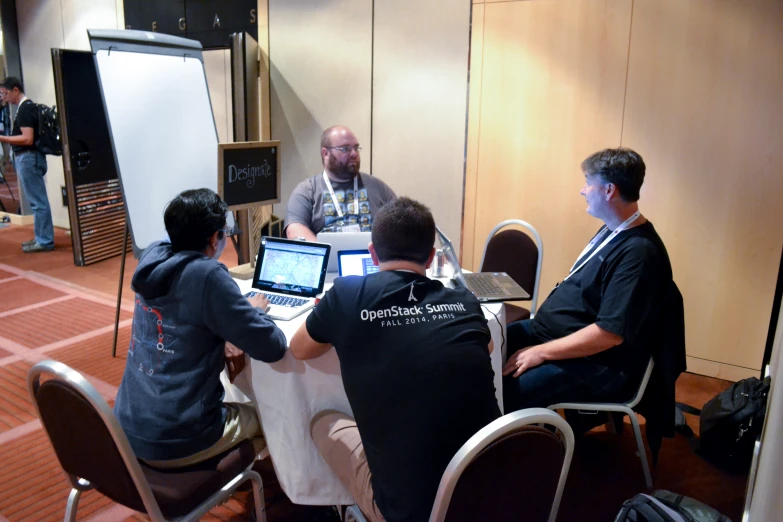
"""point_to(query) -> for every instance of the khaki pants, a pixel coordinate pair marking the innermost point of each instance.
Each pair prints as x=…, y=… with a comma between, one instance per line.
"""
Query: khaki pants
x=241, y=423
x=337, y=438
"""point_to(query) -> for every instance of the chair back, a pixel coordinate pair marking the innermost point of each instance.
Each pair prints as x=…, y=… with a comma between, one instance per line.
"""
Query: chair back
x=512, y=469
x=516, y=253
x=87, y=438
x=643, y=385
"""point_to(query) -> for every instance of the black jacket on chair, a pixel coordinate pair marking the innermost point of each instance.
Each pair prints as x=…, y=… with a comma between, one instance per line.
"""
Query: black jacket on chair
x=668, y=353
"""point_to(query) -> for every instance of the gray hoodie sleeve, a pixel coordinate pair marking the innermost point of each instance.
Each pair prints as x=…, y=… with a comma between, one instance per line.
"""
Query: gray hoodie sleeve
x=231, y=316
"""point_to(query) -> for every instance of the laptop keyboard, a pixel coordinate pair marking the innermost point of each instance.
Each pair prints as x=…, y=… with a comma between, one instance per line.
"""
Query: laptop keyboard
x=280, y=300
x=485, y=286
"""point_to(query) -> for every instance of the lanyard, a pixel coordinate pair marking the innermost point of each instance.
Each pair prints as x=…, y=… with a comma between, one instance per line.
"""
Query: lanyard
x=592, y=243
x=334, y=198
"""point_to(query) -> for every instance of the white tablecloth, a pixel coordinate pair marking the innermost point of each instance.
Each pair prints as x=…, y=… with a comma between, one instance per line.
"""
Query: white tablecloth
x=289, y=393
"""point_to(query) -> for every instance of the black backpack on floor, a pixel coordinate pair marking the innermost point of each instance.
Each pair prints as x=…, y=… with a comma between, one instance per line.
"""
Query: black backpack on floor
x=665, y=506
x=729, y=424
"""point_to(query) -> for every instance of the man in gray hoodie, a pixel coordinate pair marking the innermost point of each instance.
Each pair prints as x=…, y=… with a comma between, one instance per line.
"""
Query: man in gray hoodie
x=170, y=403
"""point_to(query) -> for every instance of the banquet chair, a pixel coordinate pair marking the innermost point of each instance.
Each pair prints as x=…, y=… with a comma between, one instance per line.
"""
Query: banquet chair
x=521, y=256
x=95, y=454
x=626, y=408
x=512, y=469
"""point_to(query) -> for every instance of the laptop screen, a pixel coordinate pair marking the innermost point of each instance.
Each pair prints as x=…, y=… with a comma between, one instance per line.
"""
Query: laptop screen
x=291, y=267
x=343, y=241
x=355, y=262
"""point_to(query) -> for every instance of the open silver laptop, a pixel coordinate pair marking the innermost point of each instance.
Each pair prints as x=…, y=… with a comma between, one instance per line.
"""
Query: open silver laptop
x=355, y=262
x=291, y=274
x=488, y=287
x=343, y=241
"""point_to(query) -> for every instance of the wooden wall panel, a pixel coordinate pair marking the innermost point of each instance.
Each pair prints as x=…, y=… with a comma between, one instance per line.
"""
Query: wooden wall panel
x=705, y=110
x=217, y=66
x=551, y=93
x=321, y=75
x=420, y=87
x=474, y=126
x=263, y=45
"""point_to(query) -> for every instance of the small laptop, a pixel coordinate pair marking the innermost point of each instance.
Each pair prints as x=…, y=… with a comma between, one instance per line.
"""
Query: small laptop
x=355, y=262
x=290, y=274
x=343, y=241
x=488, y=287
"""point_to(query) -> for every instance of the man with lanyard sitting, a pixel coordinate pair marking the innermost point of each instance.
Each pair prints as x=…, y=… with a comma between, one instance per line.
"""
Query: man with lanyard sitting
x=589, y=341
x=340, y=199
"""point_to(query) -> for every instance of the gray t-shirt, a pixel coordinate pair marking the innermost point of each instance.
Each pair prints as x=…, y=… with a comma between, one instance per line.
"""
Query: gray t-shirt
x=311, y=203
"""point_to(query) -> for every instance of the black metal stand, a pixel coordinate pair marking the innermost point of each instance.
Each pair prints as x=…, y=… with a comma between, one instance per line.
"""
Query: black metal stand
x=119, y=290
x=4, y=180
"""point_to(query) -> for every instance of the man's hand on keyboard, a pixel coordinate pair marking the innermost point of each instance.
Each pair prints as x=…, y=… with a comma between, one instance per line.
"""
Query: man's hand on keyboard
x=259, y=300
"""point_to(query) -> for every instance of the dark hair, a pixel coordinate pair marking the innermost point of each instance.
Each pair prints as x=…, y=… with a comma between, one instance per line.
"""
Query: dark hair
x=192, y=217
x=403, y=230
x=12, y=82
x=622, y=167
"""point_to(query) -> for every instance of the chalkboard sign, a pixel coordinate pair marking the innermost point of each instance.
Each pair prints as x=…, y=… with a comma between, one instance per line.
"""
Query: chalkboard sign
x=249, y=173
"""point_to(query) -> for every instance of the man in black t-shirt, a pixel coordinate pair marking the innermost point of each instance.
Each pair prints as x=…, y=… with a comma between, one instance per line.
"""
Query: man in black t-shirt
x=589, y=341
x=30, y=164
x=415, y=363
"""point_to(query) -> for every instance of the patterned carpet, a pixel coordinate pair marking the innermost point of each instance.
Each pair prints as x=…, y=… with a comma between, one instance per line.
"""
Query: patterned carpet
x=42, y=317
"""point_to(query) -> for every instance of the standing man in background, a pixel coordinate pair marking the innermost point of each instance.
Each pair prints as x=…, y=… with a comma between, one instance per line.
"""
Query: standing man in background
x=30, y=164
x=340, y=199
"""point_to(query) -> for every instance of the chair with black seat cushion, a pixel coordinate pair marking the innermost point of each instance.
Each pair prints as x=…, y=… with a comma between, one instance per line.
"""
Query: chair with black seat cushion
x=95, y=454
x=626, y=408
x=521, y=256
x=655, y=396
x=512, y=469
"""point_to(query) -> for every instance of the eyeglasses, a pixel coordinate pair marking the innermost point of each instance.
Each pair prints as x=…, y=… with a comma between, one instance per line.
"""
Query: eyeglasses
x=230, y=231
x=346, y=149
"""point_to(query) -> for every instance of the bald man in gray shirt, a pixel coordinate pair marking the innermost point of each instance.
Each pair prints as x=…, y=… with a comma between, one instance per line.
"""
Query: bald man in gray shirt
x=340, y=199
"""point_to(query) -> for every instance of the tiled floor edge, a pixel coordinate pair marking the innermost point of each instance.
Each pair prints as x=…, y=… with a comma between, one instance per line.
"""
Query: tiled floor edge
x=86, y=293
x=36, y=305
x=77, y=338
x=10, y=359
x=13, y=347
x=12, y=269
x=20, y=431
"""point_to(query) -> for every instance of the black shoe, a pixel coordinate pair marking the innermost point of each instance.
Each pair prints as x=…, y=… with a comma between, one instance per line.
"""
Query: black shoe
x=36, y=247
